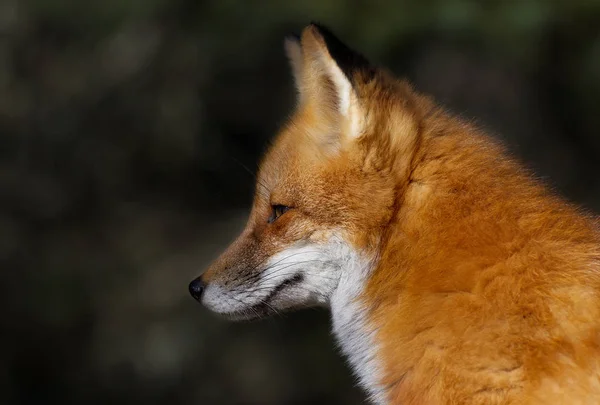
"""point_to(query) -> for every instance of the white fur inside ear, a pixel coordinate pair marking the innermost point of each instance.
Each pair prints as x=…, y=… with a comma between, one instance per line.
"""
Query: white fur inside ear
x=348, y=102
x=342, y=85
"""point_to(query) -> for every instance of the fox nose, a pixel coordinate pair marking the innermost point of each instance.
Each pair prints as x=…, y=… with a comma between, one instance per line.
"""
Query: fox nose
x=196, y=287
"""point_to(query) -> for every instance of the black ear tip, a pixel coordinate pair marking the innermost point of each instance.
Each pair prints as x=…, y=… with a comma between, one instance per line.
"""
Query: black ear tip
x=316, y=24
x=347, y=59
x=322, y=29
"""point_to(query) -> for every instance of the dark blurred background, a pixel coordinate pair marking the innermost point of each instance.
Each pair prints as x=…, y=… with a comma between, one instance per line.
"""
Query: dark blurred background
x=124, y=129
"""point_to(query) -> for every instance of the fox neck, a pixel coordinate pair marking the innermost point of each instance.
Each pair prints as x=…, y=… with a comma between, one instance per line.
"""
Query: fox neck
x=350, y=324
x=352, y=327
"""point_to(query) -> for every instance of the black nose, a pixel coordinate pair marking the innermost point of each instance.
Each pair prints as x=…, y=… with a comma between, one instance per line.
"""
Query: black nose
x=196, y=287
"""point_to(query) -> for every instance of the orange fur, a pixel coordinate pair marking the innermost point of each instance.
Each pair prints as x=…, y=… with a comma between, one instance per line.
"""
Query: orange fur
x=486, y=288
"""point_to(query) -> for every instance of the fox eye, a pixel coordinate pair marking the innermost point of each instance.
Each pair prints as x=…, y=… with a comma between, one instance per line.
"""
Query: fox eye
x=277, y=210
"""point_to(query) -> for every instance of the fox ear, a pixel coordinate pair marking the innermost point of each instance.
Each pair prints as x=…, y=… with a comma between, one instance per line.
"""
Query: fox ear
x=325, y=72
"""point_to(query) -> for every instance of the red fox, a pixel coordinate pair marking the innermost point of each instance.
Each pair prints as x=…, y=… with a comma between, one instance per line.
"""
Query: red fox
x=452, y=275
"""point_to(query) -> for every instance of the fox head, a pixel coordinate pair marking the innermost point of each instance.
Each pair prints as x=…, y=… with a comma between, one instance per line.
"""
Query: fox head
x=325, y=191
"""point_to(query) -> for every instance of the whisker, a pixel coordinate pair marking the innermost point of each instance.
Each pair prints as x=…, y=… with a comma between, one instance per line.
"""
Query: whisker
x=297, y=287
x=273, y=265
x=260, y=285
x=251, y=306
x=267, y=191
x=265, y=260
x=279, y=268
